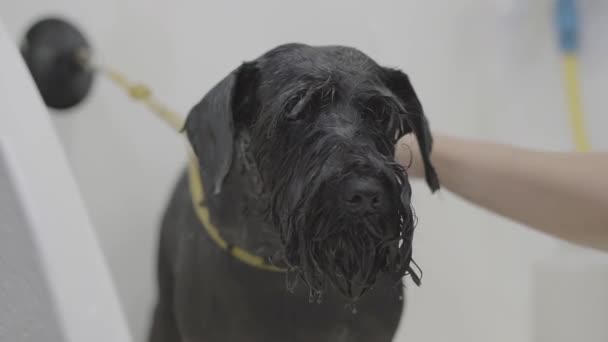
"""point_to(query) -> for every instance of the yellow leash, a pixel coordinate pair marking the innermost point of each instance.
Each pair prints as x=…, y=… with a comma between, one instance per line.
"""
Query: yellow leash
x=142, y=93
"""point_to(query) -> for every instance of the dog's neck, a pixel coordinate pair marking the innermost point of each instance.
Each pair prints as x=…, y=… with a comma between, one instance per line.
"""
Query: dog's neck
x=237, y=209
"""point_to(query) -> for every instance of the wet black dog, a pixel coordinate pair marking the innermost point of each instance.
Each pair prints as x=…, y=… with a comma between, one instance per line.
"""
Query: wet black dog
x=296, y=153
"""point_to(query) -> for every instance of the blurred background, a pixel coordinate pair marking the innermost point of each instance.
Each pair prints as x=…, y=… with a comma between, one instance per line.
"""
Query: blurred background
x=487, y=69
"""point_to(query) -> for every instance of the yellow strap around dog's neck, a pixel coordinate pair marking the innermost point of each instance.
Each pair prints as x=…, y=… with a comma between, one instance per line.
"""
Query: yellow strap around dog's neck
x=142, y=93
x=202, y=212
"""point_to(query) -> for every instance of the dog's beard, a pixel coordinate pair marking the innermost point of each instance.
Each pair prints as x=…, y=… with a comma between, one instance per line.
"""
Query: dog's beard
x=325, y=245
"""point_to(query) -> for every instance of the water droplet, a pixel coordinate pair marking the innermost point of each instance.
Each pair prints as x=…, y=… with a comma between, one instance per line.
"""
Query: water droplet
x=352, y=307
x=291, y=281
x=319, y=297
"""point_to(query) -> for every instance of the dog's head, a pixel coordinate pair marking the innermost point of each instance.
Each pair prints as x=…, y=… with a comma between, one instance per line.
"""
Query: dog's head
x=323, y=123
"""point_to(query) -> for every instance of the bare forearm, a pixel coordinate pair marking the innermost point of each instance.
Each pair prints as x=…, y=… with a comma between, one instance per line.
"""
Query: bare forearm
x=562, y=194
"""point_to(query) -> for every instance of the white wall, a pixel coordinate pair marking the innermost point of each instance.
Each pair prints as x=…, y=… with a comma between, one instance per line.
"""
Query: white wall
x=482, y=69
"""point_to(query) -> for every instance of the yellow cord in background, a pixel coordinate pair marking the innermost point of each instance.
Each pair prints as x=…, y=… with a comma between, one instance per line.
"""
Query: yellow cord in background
x=142, y=93
x=575, y=103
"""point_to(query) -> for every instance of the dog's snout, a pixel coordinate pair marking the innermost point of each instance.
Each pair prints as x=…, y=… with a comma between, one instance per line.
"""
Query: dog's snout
x=364, y=195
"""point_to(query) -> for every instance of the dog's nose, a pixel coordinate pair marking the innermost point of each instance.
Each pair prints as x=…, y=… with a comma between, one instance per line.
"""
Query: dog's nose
x=364, y=195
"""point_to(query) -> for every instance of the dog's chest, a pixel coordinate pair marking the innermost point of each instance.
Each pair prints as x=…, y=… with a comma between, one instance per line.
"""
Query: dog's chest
x=217, y=298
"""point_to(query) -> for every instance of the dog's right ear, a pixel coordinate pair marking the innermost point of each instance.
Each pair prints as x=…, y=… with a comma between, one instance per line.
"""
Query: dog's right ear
x=414, y=120
x=210, y=125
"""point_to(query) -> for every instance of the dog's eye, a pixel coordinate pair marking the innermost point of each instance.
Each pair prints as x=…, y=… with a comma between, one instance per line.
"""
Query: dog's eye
x=304, y=102
x=383, y=117
x=294, y=107
x=378, y=112
x=289, y=107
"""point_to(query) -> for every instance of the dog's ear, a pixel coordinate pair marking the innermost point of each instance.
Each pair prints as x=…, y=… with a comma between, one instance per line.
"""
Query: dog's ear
x=210, y=125
x=413, y=119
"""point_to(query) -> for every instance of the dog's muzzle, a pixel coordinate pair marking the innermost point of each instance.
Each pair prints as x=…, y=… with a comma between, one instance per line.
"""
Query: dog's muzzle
x=348, y=227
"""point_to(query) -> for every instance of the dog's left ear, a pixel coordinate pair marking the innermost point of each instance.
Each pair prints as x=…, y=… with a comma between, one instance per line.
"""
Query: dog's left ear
x=210, y=125
x=413, y=119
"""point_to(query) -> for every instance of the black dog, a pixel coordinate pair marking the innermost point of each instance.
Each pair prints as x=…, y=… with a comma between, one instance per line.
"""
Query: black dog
x=296, y=154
